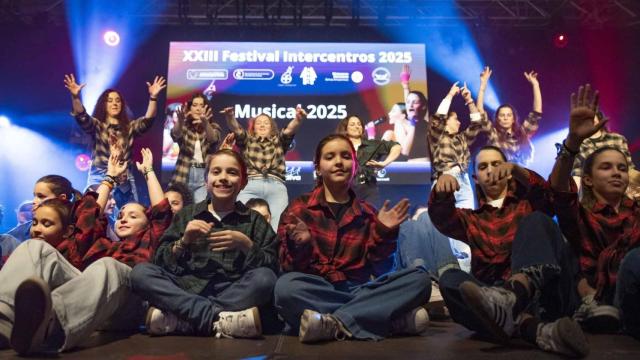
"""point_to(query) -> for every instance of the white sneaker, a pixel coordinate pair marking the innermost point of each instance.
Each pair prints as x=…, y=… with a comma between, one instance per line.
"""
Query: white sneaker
x=412, y=323
x=493, y=306
x=238, y=324
x=316, y=327
x=563, y=336
x=164, y=323
x=597, y=318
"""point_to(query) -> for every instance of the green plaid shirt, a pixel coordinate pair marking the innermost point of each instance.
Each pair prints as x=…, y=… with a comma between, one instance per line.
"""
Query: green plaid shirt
x=198, y=265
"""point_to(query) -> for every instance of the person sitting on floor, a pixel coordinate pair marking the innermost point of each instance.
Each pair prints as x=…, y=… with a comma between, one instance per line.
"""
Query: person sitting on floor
x=603, y=227
x=518, y=256
x=216, y=263
x=330, y=244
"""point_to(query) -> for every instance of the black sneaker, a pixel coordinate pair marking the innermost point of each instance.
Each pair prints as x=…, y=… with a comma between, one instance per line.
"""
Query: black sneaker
x=33, y=314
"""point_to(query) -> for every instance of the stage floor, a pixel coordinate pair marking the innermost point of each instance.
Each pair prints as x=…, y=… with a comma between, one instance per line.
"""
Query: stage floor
x=443, y=340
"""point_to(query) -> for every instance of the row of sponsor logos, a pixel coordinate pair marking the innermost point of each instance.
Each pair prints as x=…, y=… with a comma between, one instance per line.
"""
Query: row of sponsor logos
x=308, y=75
x=293, y=173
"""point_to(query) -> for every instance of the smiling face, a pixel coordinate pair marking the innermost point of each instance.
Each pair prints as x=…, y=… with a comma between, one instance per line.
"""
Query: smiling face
x=354, y=128
x=336, y=164
x=609, y=175
x=487, y=161
x=47, y=225
x=225, y=179
x=114, y=104
x=262, y=126
x=131, y=220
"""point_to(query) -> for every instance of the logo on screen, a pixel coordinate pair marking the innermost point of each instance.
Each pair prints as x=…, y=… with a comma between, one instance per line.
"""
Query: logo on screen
x=338, y=76
x=381, y=76
x=357, y=77
x=286, y=77
x=293, y=173
x=381, y=175
x=308, y=75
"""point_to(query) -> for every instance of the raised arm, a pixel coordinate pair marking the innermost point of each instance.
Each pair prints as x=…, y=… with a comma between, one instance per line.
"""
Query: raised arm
x=232, y=122
x=212, y=130
x=405, y=76
x=153, y=185
x=159, y=83
x=581, y=126
x=74, y=88
x=532, y=78
x=181, y=116
x=474, y=128
x=115, y=168
x=294, y=124
x=485, y=75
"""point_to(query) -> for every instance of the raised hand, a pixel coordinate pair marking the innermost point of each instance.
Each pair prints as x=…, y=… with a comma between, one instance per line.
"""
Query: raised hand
x=455, y=89
x=228, y=141
x=300, y=113
x=395, y=216
x=405, y=75
x=180, y=112
x=195, y=231
x=228, y=112
x=298, y=231
x=485, y=75
x=147, y=161
x=466, y=94
x=532, y=78
x=116, y=167
x=207, y=115
x=159, y=83
x=226, y=240
x=446, y=184
x=583, y=111
x=73, y=87
x=501, y=172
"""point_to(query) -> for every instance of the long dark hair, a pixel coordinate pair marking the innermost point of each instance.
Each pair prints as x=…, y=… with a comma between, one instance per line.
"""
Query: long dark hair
x=344, y=123
x=100, y=111
x=190, y=102
x=60, y=185
x=588, y=197
x=318, y=154
x=422, y=111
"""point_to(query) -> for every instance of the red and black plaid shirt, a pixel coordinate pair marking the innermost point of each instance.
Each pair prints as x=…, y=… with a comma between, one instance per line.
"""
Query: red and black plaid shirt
x=488, y=230
x=601, y=237
x=340, y=249
x=90, y=242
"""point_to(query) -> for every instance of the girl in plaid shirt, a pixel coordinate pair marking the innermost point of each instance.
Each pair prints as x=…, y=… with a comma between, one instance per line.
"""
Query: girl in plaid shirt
x=507, y=134
x=110, y=127
x=79, y=278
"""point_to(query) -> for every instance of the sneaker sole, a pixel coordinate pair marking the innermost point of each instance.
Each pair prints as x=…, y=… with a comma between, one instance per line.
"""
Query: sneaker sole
x=605, y=320
x=256, y=320
x=473, y=297
x=32, y=309
x=5, y=334
x=147, y=322
x=304, y=326
x=572, y=337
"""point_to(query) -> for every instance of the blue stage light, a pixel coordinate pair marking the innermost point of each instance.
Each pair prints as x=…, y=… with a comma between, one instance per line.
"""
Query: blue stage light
x=5, y=122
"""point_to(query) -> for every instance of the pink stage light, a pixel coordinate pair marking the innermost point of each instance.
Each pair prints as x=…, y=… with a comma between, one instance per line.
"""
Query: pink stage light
x=111, y=38
x=83, y=162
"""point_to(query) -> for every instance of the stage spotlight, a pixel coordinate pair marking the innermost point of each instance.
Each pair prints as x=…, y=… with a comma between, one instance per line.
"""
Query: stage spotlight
x=560, y=40
x=111, y=38
x=4, y=122
x=83, y=162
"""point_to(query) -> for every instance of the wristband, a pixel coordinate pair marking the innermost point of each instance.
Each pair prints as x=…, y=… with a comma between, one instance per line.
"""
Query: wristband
x=110, y=179
x=151, y=98
x=107, y=184
x=404, y=77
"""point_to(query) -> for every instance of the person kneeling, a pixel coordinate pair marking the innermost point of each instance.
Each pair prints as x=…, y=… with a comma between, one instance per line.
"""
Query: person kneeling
x=330, y=244
x=215, y=264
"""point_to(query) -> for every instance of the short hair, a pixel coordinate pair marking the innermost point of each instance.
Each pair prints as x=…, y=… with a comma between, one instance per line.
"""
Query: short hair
x=255, y=202
x=183, y=190
x=233, y=154
x=488, y=147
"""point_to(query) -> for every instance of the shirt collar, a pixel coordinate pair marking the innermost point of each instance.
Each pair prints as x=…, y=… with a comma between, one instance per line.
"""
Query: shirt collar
x=203, y=206
x=317, y=199
x=515, y=191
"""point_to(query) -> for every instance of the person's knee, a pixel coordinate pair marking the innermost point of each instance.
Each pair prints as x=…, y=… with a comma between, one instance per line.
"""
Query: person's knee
x=630, y=265
x=285, y=289
x=140, y=275
x=535, y=219
x=263, y=281
x=35, y=247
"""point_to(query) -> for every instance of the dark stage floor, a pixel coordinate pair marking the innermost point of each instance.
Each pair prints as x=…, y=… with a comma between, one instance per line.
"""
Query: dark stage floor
x=444, y=340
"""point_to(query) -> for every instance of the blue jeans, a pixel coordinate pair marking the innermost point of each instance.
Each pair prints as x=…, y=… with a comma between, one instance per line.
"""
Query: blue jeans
x=123, y=193
x=273, y=191
x=421, y=244
x=196, y=184
x=366, y=310
x=160, y=287
x=627, y=296
x=539, y=251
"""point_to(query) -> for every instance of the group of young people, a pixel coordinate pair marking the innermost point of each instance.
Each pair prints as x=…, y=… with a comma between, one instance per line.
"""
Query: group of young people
x=241, y=252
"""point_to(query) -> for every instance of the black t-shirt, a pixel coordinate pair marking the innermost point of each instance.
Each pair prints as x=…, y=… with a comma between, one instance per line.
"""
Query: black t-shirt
x=339, y=209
